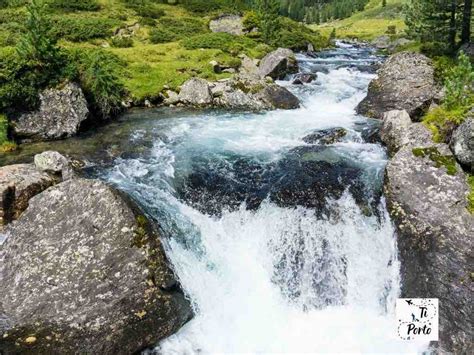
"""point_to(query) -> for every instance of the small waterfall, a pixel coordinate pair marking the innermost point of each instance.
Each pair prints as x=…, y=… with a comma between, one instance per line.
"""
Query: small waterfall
x=265, y=277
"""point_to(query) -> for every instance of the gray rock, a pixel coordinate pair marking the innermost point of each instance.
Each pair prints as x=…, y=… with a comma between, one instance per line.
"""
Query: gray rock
x=326, y=136
x=278, y=64
x=18, y=184
x=83, y=271
x=60, y=115
x=238, y=100
x=55, y=163
x=398, y=130
x=426, y=194
x=468, y=49
x=216, y=68
x=399, y=42
x=196, y=92
x=462, y=143
x=405, y=82
x=232, y=24
x=172, y=98
x=304, y=78
x=382, y=42
x=279, y=97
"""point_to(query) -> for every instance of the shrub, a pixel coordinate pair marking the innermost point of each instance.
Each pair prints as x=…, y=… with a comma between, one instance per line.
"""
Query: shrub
x=183, y=27
x=121, y=42
x=161, y=35
x=251, y=21
x=459, y=84
x=75, y=5
x=98, y=72
x=147, y=21
x=206, y=6
x=83, y=29
x=149, y=11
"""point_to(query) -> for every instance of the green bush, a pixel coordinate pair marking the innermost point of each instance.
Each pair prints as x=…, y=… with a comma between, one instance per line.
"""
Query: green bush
x=297, y=36
x=121, y=42
x=98, y=72
x=82, y=29
x=251, y=21
x=75, y=5
x=459, y=84
x=183, y=27
x=161, y=35
x=147, y=21
x=5, y=144
x=149, y=11
x=206, y=6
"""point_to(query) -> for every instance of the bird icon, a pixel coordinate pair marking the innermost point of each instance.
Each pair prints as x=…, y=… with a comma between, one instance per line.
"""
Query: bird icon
x=410, y=302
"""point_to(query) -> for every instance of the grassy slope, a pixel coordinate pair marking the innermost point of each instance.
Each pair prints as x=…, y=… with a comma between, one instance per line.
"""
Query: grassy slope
x=368, y=24
x=149, y=67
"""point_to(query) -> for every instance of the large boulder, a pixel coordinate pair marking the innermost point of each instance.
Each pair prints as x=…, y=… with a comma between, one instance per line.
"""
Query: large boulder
x=196, y=92
x=326, y=136
x=279, y=97
x=426, y=193
x=278, y=64
x=60, y=115
x=232, y=24
x=83, y=271
x=18, y=184
x=406, y=81
x=462, y=143
x=398, y=130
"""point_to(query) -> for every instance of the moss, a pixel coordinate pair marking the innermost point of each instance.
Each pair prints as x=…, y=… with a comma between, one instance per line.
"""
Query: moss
x=441, y=122
x=470, y=198
x=446, y=161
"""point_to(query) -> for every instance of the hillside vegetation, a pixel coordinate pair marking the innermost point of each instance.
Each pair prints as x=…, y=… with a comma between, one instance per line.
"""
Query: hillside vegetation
x=368, y=24
x=152, y=47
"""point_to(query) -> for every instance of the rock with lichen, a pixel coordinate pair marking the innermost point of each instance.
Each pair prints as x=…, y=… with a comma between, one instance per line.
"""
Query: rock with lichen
x=84, y=271
x=427, y=196
x=406, y=81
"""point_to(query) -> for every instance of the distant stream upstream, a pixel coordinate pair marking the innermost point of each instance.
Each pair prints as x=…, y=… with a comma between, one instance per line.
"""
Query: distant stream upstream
x=281, y=245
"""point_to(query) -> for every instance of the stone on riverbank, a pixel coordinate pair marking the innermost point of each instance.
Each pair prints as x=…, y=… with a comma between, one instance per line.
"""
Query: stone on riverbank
x=60, y=115
x=405, y=81
x=278, y=64
x=462, y=143
x=83, y=271
x=232, y=24
x=426, y=192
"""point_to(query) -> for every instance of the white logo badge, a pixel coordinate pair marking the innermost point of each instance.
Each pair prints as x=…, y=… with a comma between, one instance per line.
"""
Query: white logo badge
x=418, y=318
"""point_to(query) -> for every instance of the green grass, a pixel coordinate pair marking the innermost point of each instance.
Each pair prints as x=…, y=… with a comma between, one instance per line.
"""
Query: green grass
x=368, y=24
x=5, y=144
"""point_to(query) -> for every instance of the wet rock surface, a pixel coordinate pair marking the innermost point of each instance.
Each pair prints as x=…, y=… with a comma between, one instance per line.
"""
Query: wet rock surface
x=60, y=115
x=100, y=278
x=426, y=193
x=307, y=176
x=326, y=136
x=405, y=82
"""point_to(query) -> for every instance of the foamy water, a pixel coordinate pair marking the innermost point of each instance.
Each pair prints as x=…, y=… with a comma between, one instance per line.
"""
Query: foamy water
x=275, y=279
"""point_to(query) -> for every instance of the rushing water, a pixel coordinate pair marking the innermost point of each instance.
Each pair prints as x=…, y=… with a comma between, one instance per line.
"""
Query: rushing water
x=281, y=246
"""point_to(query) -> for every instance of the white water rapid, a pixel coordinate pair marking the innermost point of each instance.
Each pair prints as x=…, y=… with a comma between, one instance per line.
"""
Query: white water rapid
x=274, y=278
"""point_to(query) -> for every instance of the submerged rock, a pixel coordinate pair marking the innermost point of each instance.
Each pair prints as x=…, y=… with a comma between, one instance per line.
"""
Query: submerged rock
x=83, y=271
x=426, y=193
x=326, y=136
x=405, y=82
x=60, y=115
x=278, y=64
x=462, y=143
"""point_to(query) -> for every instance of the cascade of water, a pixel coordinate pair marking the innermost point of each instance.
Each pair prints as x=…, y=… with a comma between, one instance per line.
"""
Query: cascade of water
x=274, y=278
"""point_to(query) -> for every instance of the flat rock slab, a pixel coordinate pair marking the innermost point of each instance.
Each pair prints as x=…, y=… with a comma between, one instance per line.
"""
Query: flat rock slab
x=83, y=271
